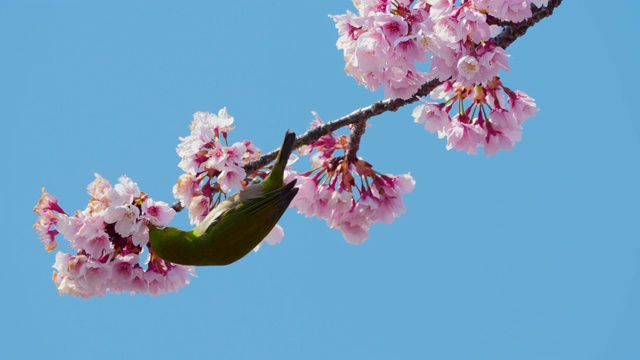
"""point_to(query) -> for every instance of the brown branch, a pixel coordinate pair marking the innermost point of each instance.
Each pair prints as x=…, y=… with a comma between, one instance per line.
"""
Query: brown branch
x=354, y=141
x=510, y=33
x=360, y=115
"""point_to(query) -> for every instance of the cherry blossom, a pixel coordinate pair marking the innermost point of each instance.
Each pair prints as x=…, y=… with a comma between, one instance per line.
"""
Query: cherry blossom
x=45, y=226
x=349, y=194
x=108, y=238
x=212, y=168
x=384, y=43
x=492, y=120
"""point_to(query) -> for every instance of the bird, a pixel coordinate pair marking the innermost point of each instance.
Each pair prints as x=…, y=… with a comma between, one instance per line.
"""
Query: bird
x=236, y=225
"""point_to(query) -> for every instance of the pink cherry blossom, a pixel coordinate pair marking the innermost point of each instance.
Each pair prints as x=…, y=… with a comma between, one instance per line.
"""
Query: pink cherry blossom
x=434, y=117
x=449, y=30
x=468, y=67
x=438, y=8
x=522, y=106
x=124, y=217
x=122, y=273
x=215, y=158
x=251, y=153
x=212, y=167
x=157, y=213
x=388, y=191
x=392, y=27
x=231, y=177
x=385, y=41
x=502, y=131
x=96, y=241
x=46, y=204
x=198, y=209
x=273, y=238
x=349, y=195
x=123, y=192
x=187, y=188
x=209, y=126
x=108, y=237
x=275, y=235
x=473, y=23
x=137, y=284
x=511, y=10
x=47, y=221
x=492, y=117
x=464, y=136
x=352, y=232
x=492, y=59
x=156, y=282
x=382, y=43
x=94, y=277
x=99, y=191
x=71, y=226
x=307, y=194
x=140, y=235
x=45, y=227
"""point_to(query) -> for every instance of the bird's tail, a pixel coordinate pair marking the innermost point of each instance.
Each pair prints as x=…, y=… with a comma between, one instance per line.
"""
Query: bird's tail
x=277, y=173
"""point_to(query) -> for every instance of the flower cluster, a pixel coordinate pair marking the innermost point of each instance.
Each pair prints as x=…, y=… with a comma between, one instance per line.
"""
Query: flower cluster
x=383, y=43
x=109, y=236
x=212, y=168
x=493, y=119
x=350, y=195
x=387, y=38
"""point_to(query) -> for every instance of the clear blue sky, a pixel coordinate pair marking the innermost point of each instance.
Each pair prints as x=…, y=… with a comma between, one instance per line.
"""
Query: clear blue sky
x=533, y=254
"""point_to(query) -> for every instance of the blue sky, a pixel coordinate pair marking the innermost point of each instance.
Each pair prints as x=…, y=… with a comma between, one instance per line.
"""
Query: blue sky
x=532, y=254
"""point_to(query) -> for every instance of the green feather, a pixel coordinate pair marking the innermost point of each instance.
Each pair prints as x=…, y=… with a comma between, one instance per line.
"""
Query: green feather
x=236, y=226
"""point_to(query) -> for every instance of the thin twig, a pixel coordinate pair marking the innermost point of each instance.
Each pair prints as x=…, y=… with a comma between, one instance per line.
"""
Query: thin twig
x=354, y=141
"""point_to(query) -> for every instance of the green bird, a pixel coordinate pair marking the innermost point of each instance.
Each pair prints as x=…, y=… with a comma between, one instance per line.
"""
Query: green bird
x=234, y=227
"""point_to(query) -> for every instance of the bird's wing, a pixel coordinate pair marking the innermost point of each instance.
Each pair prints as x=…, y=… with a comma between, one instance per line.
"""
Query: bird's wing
x=252, y=191
x=271, y=201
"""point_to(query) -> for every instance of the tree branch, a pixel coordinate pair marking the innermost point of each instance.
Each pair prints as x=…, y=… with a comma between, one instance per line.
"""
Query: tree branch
x=510, y=33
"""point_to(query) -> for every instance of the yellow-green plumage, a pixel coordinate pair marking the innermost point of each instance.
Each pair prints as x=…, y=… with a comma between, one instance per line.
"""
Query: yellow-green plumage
x=234, y=227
